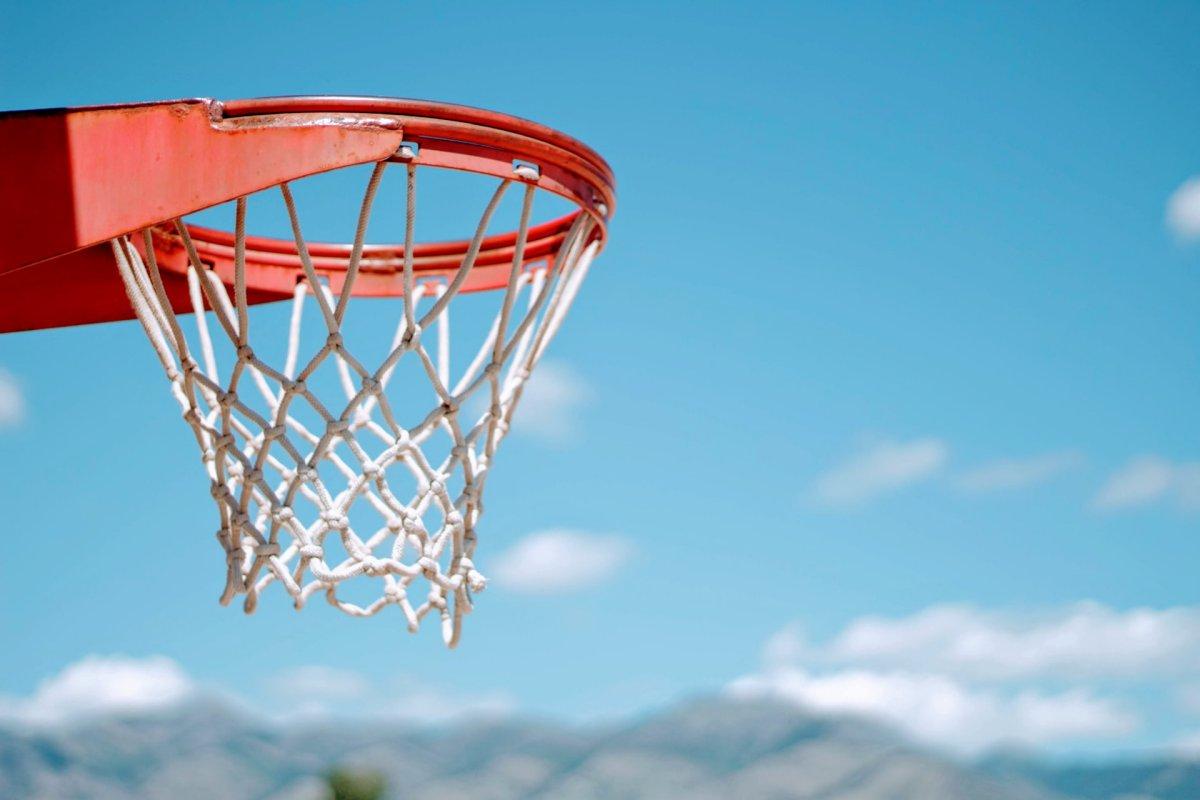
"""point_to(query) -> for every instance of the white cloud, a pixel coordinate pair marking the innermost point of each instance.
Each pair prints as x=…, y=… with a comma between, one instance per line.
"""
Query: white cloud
x=1141, y=481
x=12, y=401
x=103, y=685
x=1189, y=698
x=1183, y=209
x=1084, y=640
x=550, y=404
x=967, y=678
x=881, y=468
x=554, y=561
x=1018, y=473
x=419, y=702
x=939, y=710
x=320, y=683
x=324, y=691
x=1188, y=745
x=786, y=647
x=1150, y=479
x=1187, y=486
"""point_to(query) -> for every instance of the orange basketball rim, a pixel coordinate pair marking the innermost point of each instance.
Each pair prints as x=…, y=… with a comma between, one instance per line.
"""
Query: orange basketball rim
x=78, y=177
x=321, y=482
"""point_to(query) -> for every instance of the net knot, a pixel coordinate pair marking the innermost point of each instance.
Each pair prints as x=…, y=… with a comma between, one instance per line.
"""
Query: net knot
x=266, y=549
x=334, y=341
x=476, y=581
x=245, y=353
x=334, y=519
x=312, y=551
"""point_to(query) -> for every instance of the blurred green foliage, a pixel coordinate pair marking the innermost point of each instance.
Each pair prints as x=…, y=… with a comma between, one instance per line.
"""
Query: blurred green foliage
x=347, y=784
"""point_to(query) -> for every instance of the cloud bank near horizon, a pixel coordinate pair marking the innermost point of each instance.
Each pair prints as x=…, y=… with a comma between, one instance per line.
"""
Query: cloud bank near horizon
x=968, y=679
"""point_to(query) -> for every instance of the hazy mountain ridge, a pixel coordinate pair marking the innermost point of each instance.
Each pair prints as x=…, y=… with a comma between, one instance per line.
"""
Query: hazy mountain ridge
x=1161, y=779
x=705, y=750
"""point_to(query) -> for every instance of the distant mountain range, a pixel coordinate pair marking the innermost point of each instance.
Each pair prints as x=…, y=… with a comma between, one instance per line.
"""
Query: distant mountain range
x=700, y=751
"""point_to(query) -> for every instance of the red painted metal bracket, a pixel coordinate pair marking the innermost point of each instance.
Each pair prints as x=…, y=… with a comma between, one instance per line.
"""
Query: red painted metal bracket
x=75, y=178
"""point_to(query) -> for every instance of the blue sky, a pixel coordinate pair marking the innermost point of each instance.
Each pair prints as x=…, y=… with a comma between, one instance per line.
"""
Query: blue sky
x=898, y=323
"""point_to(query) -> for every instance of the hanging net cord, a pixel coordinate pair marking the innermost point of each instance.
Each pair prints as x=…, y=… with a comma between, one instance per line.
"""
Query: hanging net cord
x=270, y=471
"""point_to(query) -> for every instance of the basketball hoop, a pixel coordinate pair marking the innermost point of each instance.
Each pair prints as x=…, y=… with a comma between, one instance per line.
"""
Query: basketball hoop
x=319, y=479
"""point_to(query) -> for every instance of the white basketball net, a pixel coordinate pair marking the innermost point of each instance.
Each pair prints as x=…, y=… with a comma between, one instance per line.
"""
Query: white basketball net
x=288, y=489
